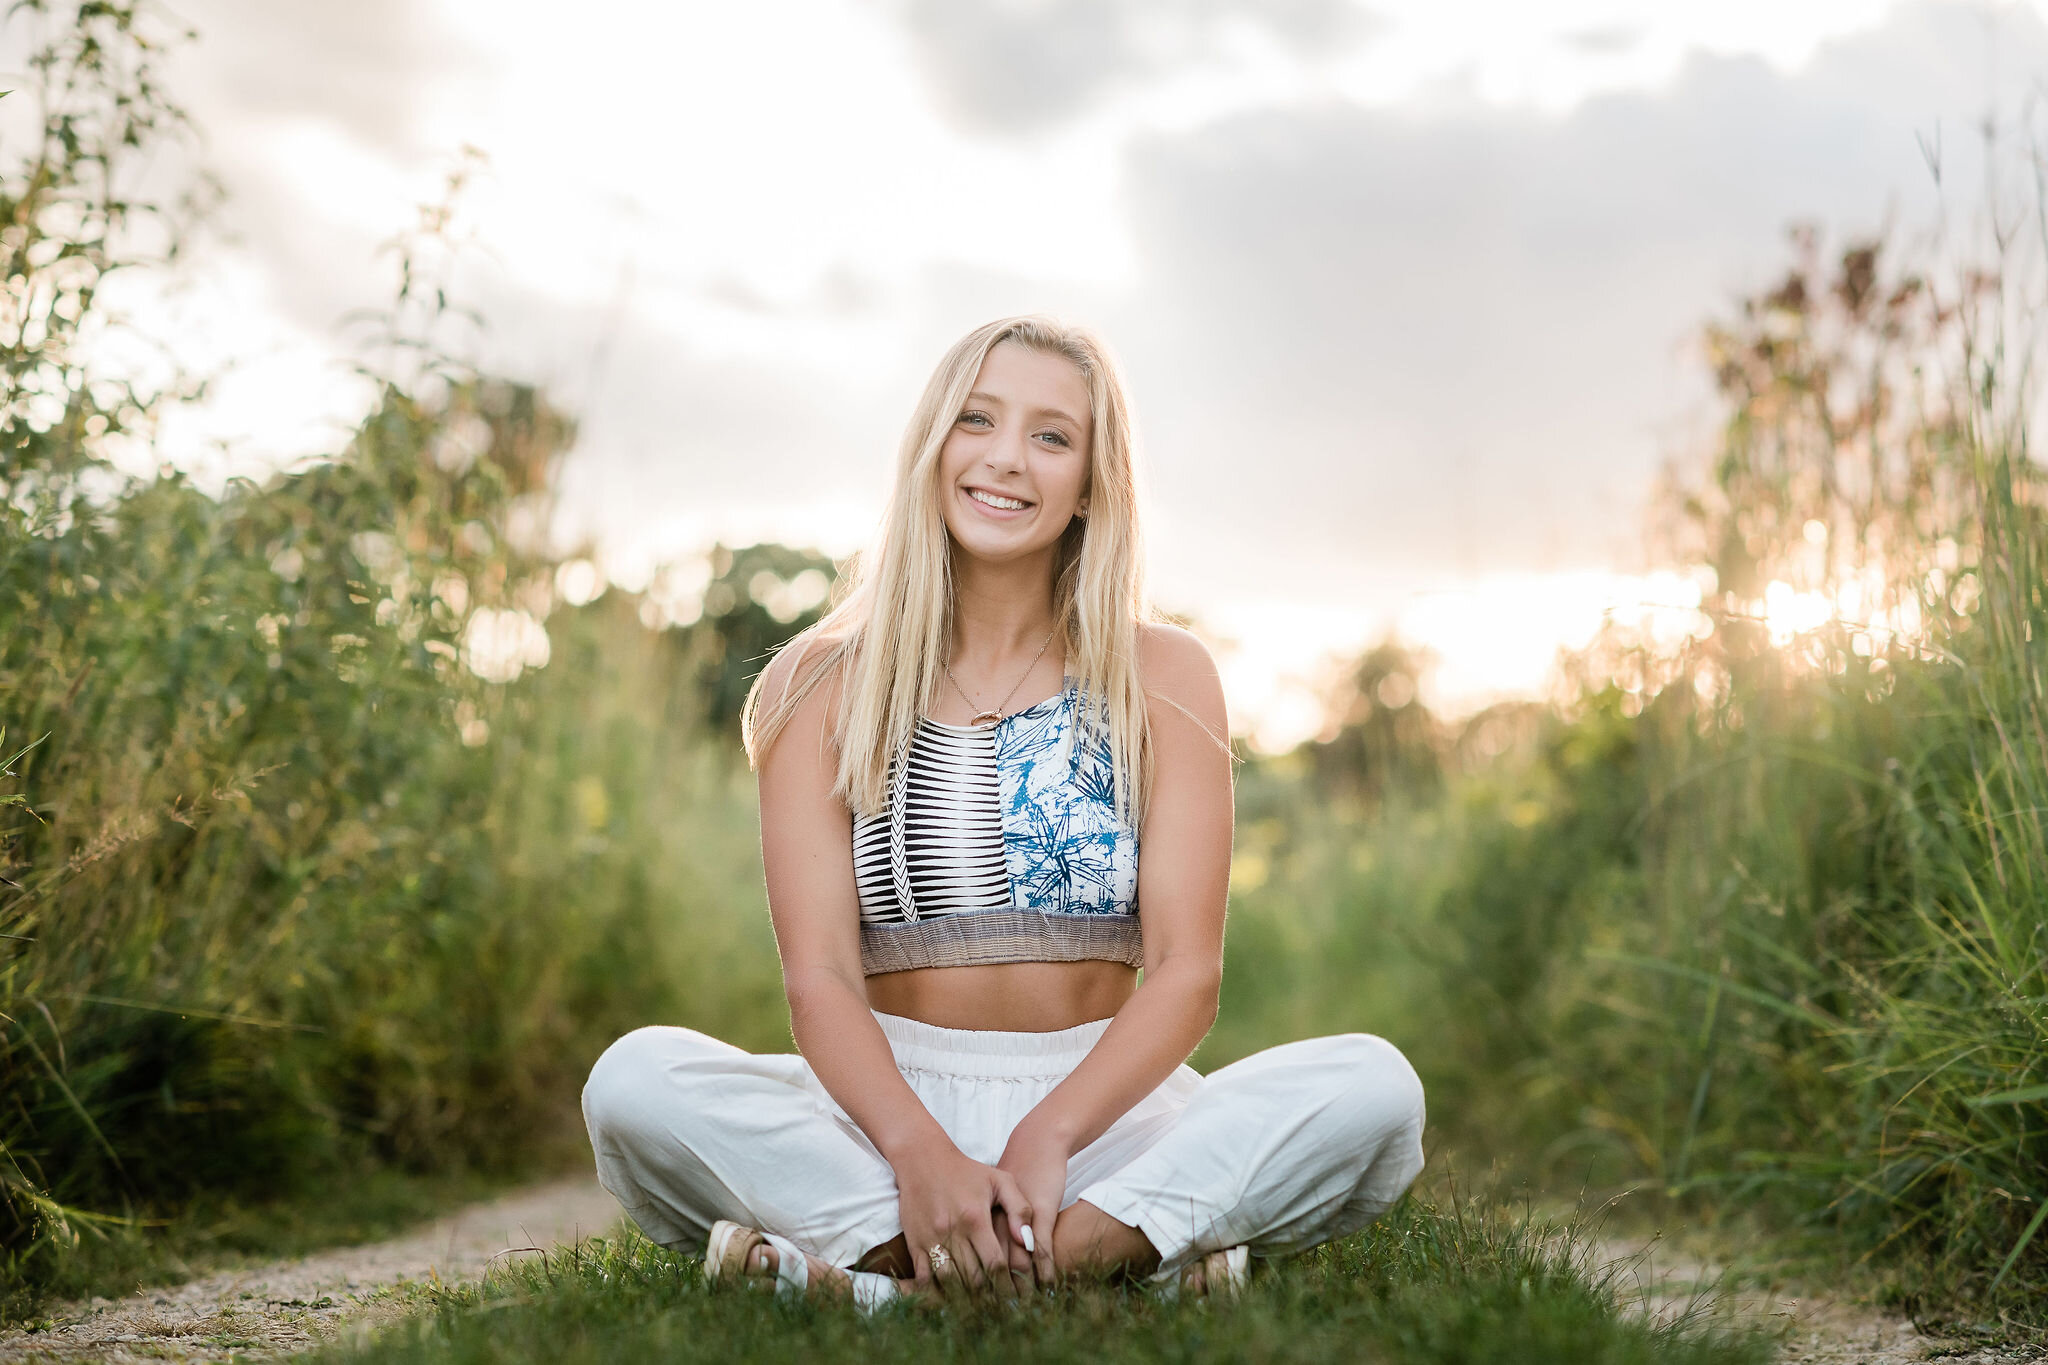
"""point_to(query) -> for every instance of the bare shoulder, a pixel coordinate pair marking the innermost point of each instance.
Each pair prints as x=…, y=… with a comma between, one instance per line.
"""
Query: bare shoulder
x=798, y=660
x=1177, y=668
x=1169, y=654
x=811, y=664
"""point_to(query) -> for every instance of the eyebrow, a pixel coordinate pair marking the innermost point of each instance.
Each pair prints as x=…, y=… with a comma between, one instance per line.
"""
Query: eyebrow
x=1060, y=413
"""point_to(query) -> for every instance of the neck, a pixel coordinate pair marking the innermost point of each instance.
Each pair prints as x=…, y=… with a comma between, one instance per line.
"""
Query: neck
x=1001, y=610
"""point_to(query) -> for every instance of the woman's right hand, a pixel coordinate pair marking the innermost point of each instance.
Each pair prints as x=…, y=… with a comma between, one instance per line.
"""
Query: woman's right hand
x=948, y=1199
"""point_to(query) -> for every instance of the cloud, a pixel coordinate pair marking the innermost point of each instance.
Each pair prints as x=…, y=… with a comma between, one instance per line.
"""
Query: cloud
x=1369, y=345
x=1370, y=338
x=1604, y=39
x=1022, y=65
x=369, y=66
x=327, y=124
x=839, y=292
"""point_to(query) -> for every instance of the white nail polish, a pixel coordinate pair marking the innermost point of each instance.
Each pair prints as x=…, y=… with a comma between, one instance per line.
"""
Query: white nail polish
x=1029, y=1245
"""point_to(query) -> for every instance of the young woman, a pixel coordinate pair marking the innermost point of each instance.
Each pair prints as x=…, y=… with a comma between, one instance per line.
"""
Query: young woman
x=959, y=767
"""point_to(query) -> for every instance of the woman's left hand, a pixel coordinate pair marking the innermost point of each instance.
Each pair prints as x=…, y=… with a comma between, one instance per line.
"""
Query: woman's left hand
x=1039, y=1163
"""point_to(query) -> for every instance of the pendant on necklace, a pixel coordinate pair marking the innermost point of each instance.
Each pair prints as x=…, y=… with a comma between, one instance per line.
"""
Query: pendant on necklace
x=984, y=719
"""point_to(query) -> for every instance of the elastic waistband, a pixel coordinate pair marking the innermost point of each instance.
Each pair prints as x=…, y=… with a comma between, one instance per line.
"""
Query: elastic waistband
x=987, y=1052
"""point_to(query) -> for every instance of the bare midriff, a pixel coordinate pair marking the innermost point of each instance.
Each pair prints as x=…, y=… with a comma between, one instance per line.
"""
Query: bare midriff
x=1010, y=997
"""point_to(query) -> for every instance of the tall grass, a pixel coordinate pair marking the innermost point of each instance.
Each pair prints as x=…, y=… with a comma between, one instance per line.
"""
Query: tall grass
x=292, y=888
x=1761, y=924
x=305, y=869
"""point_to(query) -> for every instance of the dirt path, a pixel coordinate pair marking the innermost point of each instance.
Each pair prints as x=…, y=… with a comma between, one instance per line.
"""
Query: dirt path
x=1819, y=1329
x=276, y=1309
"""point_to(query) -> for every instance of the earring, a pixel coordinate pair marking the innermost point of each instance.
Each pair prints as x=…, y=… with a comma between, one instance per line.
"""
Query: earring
x=1081, y=509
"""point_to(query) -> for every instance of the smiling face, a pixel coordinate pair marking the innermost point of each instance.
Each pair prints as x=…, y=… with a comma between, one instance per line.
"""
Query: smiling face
x=1014, y=468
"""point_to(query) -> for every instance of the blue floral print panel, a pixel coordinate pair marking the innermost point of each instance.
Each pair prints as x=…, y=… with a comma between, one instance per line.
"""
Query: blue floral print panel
x=1067, y=849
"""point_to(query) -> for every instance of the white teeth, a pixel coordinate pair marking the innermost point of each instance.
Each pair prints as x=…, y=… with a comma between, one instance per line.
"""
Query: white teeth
x=1008, y=504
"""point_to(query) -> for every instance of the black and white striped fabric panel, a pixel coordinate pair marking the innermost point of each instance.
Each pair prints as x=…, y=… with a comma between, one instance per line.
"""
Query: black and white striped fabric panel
x=953, y=831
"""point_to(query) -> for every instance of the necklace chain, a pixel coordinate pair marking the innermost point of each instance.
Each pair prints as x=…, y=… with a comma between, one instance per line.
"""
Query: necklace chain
x=987, y=718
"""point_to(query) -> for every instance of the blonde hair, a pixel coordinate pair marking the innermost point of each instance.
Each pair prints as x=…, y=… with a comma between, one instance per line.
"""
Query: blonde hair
x=888, y=635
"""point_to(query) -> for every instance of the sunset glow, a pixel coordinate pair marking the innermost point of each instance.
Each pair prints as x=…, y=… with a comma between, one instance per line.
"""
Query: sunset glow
x=1489, y=641
x=1406, y=299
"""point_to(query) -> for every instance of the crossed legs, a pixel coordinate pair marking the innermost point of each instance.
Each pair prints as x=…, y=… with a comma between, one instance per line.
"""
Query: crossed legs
x=1286, y=1148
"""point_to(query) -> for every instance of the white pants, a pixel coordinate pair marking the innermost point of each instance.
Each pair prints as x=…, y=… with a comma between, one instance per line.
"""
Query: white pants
x=1287, y=1148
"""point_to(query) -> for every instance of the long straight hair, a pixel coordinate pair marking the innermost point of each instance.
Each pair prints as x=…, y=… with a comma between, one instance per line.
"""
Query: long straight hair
x=888, y=634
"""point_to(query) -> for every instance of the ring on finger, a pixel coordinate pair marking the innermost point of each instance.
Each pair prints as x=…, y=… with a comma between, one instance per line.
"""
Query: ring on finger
x=939, y=1257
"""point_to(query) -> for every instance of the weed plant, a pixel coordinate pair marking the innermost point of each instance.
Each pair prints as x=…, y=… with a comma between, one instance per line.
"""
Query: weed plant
x=1759, y=923
x=308, y=870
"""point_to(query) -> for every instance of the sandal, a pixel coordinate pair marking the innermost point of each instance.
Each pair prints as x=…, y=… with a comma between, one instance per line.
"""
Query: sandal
x=729, y=1254
x=1225, y=1273
x=1220, y=1275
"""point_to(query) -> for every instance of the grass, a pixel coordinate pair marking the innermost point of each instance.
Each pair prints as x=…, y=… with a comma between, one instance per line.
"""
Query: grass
x=292, y=894
x=1755, y=926
x=1425, y=1284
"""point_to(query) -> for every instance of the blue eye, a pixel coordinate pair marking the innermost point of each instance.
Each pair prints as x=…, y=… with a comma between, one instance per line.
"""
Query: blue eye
x=965, y=416
x=1057, y=436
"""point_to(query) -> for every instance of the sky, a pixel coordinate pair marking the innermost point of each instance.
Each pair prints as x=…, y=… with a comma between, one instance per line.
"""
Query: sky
x=1406, y=290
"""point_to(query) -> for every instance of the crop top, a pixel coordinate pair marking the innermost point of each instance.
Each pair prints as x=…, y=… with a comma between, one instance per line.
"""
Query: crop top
x=1000, y=843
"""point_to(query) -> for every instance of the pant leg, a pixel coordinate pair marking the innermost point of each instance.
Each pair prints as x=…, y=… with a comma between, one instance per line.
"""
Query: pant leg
x=688, y=1129
x=1280, y=1151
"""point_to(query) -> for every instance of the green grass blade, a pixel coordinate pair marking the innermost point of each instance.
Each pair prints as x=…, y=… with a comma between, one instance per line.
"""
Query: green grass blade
x=2011, y=1257
x=2024, y=1095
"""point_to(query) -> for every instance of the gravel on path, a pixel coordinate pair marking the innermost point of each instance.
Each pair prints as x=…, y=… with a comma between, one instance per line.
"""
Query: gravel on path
x=274, y=1310
x=1819, y=1329
x=268, y=1311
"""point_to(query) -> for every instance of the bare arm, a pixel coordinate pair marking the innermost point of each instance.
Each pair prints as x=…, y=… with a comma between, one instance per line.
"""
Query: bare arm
x=1183, y=877
x=807, y=855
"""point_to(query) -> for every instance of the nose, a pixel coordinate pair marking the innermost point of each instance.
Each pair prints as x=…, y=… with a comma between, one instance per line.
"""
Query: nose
x=1006, y=452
